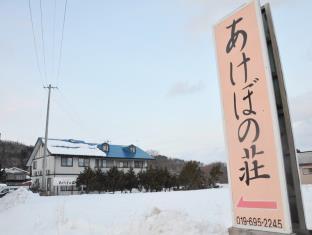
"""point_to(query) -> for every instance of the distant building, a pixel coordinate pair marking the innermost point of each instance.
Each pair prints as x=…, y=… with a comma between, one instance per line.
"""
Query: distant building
x=67, y=158
x=305, y=166
x=16, y=177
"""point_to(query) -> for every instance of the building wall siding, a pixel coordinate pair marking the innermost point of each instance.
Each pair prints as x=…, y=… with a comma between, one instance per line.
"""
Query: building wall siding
x=39, y=159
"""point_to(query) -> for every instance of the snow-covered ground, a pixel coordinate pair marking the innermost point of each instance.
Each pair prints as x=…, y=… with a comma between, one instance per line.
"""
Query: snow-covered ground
x=187, y=212
x=307, y=203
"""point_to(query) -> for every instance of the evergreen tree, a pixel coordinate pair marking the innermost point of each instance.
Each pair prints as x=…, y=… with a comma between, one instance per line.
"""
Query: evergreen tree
x=167, y=181
x=143, y=181
x=121, y=181
x=87, y=178
x=155, y=179
x=131, y=180
x=175, y=182
x=113, y=178
x=191, y=176
x=100, y=183
x=214, y=175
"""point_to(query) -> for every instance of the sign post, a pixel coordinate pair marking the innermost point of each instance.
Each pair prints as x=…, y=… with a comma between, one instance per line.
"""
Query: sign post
x=286, y=134
x=255, y=126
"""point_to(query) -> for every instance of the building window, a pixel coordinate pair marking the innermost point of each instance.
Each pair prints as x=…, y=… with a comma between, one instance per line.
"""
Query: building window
x=132, y=148
x=105, y=147
x=100, y=163
x=67, y=161
x=110, y=163
x=34, y=165
x=124, y=164
x=19, y=177
x=83, y=162
x=307, y=171
x=68, y=188
x=138, y=164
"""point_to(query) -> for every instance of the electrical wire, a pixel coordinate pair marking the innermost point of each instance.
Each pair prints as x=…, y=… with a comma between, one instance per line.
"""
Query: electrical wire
x=69, y=109
x=42, y=39
x=61, y=46
x=53, y=40
x=35, y=43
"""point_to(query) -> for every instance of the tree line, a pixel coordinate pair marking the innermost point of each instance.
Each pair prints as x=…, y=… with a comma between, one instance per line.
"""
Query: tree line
x=151, y=180
x=14, y=154
x=2, y=174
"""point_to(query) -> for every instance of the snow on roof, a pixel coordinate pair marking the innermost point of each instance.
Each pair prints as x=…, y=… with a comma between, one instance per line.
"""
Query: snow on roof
x=73, y=147
x=82, y=148
x=15, y=170
x=305, y=157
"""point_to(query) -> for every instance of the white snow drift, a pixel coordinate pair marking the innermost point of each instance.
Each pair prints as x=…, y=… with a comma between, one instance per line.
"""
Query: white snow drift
x=183, y=213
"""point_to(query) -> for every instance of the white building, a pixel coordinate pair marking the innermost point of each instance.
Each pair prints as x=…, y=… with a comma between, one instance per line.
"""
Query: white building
x=67, y=158
x=305, y=166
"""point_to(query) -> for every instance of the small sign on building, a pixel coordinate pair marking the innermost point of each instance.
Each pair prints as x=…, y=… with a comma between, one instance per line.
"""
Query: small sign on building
x=64, y=181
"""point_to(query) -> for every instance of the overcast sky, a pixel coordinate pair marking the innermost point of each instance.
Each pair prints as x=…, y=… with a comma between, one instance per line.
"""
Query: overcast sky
x=137, y=72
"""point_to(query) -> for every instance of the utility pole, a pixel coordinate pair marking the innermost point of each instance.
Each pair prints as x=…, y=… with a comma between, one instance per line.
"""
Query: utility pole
x=44, y=183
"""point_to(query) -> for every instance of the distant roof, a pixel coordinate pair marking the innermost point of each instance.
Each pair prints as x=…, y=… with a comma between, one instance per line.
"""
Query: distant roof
x=305, y=157
x=82, y=148
x=15, y=170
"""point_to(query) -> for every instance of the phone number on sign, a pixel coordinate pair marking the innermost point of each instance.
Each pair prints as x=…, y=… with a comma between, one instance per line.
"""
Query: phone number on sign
x=268, y=223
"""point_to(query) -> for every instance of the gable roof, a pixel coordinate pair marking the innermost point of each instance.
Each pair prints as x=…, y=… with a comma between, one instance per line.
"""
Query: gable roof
x=74, y=147
x=15, y=170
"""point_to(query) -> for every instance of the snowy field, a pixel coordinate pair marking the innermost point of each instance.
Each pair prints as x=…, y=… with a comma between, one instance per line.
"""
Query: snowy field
x=187, y=212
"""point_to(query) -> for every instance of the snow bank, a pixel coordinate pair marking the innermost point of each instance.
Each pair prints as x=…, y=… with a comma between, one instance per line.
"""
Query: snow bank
x=183, y=213
x=171, y=223
x=307, y=201
x=15, y=198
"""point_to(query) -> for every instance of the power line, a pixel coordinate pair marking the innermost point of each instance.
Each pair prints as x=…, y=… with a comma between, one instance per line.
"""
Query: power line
x=68, y=108
x=61, y=47
x=53, y=40
x=72, y=116
x=42, y=39
x=35, y=42
x=71, y=108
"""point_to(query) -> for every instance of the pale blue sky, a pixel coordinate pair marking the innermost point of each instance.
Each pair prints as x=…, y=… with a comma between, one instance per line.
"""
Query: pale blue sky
x=141, y=72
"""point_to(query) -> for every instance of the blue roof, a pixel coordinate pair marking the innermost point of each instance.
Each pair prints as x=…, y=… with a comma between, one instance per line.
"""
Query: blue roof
x=120, y=151
x=83, y=148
